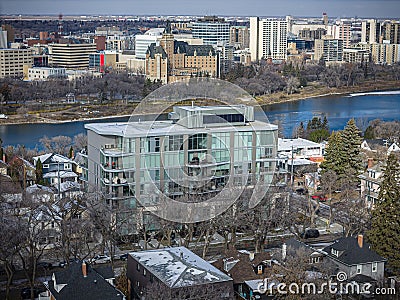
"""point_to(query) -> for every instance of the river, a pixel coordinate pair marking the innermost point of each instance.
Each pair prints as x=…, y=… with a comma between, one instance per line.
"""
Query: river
x=338, y=110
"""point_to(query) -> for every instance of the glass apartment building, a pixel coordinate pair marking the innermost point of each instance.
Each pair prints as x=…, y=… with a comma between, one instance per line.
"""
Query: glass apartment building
x=196, y=152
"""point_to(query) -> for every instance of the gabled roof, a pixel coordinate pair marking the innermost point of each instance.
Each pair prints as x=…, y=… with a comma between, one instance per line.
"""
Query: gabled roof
x=179, y=267
x=49, y=158
x=68, y=186
x=243, y=268
x=78, y=287
x=153, y=50
x=351, y=254
x=63, y=174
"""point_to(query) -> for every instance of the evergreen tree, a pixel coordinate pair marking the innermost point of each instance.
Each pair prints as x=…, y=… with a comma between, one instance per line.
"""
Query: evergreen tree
x=39, y=172
x=351, y=136
x=334, y=154
x=384, y=235
x=71, y=153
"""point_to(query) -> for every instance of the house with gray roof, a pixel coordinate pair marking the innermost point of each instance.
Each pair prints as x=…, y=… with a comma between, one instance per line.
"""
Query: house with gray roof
x=82, y=282
x=355, y=257
x=56, y=168
x=176, y=272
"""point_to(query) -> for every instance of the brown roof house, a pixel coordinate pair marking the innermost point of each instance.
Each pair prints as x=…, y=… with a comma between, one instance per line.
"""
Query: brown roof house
x=250, y=271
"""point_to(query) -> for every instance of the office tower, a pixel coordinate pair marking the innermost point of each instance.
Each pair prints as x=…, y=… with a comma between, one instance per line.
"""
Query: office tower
x=268, y=39
x=72, y=56
x=212, y=30
x=13, y=62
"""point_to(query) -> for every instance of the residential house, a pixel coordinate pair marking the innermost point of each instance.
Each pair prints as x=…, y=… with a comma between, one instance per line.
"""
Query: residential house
x=82, y=282
x=175, y=272
x=370, y=183
x=380, y=144
x=56, y=168
x=248, y=270
x=355, y=257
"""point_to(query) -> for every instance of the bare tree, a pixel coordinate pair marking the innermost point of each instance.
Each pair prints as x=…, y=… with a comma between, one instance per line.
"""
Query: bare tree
x=80, y=141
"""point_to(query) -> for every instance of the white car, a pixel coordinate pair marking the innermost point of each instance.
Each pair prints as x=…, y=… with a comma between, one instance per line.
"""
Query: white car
x=100, y=259
x=3, y=116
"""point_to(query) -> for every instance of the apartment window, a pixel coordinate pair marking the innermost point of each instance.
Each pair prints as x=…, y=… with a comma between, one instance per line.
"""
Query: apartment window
x=67, y=166
x=374, y=267
x=138, y=267
x=144, y=272
x=359, y=269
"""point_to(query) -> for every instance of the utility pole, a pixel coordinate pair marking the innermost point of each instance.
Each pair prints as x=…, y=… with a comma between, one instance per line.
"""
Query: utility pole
x=291, y=172
x=58, y=179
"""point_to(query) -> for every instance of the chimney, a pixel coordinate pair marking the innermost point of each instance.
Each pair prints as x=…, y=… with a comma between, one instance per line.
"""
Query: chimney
x=370, y=162
x=360, y=239
x=284, y=249
x=251, y=256
x=84, y=269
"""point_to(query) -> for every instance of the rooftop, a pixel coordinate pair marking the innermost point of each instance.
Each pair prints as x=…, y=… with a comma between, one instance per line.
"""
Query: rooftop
x=287, y=144
x=179, y=267
x=350, y=253
x=93, y=286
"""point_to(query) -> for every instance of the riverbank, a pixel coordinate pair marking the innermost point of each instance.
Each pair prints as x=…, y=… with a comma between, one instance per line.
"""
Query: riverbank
x=98, y=112
x=315, y=91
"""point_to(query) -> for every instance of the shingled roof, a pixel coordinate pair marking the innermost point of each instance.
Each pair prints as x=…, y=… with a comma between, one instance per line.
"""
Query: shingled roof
x=93, y=286
x=243, y=268
x=350, y=253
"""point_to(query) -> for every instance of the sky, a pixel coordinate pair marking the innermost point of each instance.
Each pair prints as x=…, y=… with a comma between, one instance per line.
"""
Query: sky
x=334, y=8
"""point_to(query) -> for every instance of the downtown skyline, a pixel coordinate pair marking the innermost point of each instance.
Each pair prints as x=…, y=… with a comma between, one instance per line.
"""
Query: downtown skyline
x=310, y=8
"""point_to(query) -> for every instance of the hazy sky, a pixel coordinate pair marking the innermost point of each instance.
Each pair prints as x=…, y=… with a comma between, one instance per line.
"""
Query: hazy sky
x=334, y=8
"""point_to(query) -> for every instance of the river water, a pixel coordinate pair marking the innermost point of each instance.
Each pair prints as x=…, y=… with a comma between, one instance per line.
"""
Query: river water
x=338, y=110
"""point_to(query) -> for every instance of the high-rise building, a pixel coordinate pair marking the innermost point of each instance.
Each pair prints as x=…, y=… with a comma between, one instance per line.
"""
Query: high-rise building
x=212, y=30
x=13, y=62
x=353, y=55
x=391, y=32
x=268, y=39
x=371, y=32
x=143, y=41
x=385, y=53
x=3, y=39
x=199, y=151
x=239, y=37
x=328, y=49
x=342, y=31
x=72, y=56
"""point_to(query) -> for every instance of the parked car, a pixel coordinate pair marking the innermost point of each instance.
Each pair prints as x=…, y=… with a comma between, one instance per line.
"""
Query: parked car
x=310, y=233
x=123, y=256
x=301, y=191
x=321, y=198
x=3, y=116
x=100, y=259
x=63, y=264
